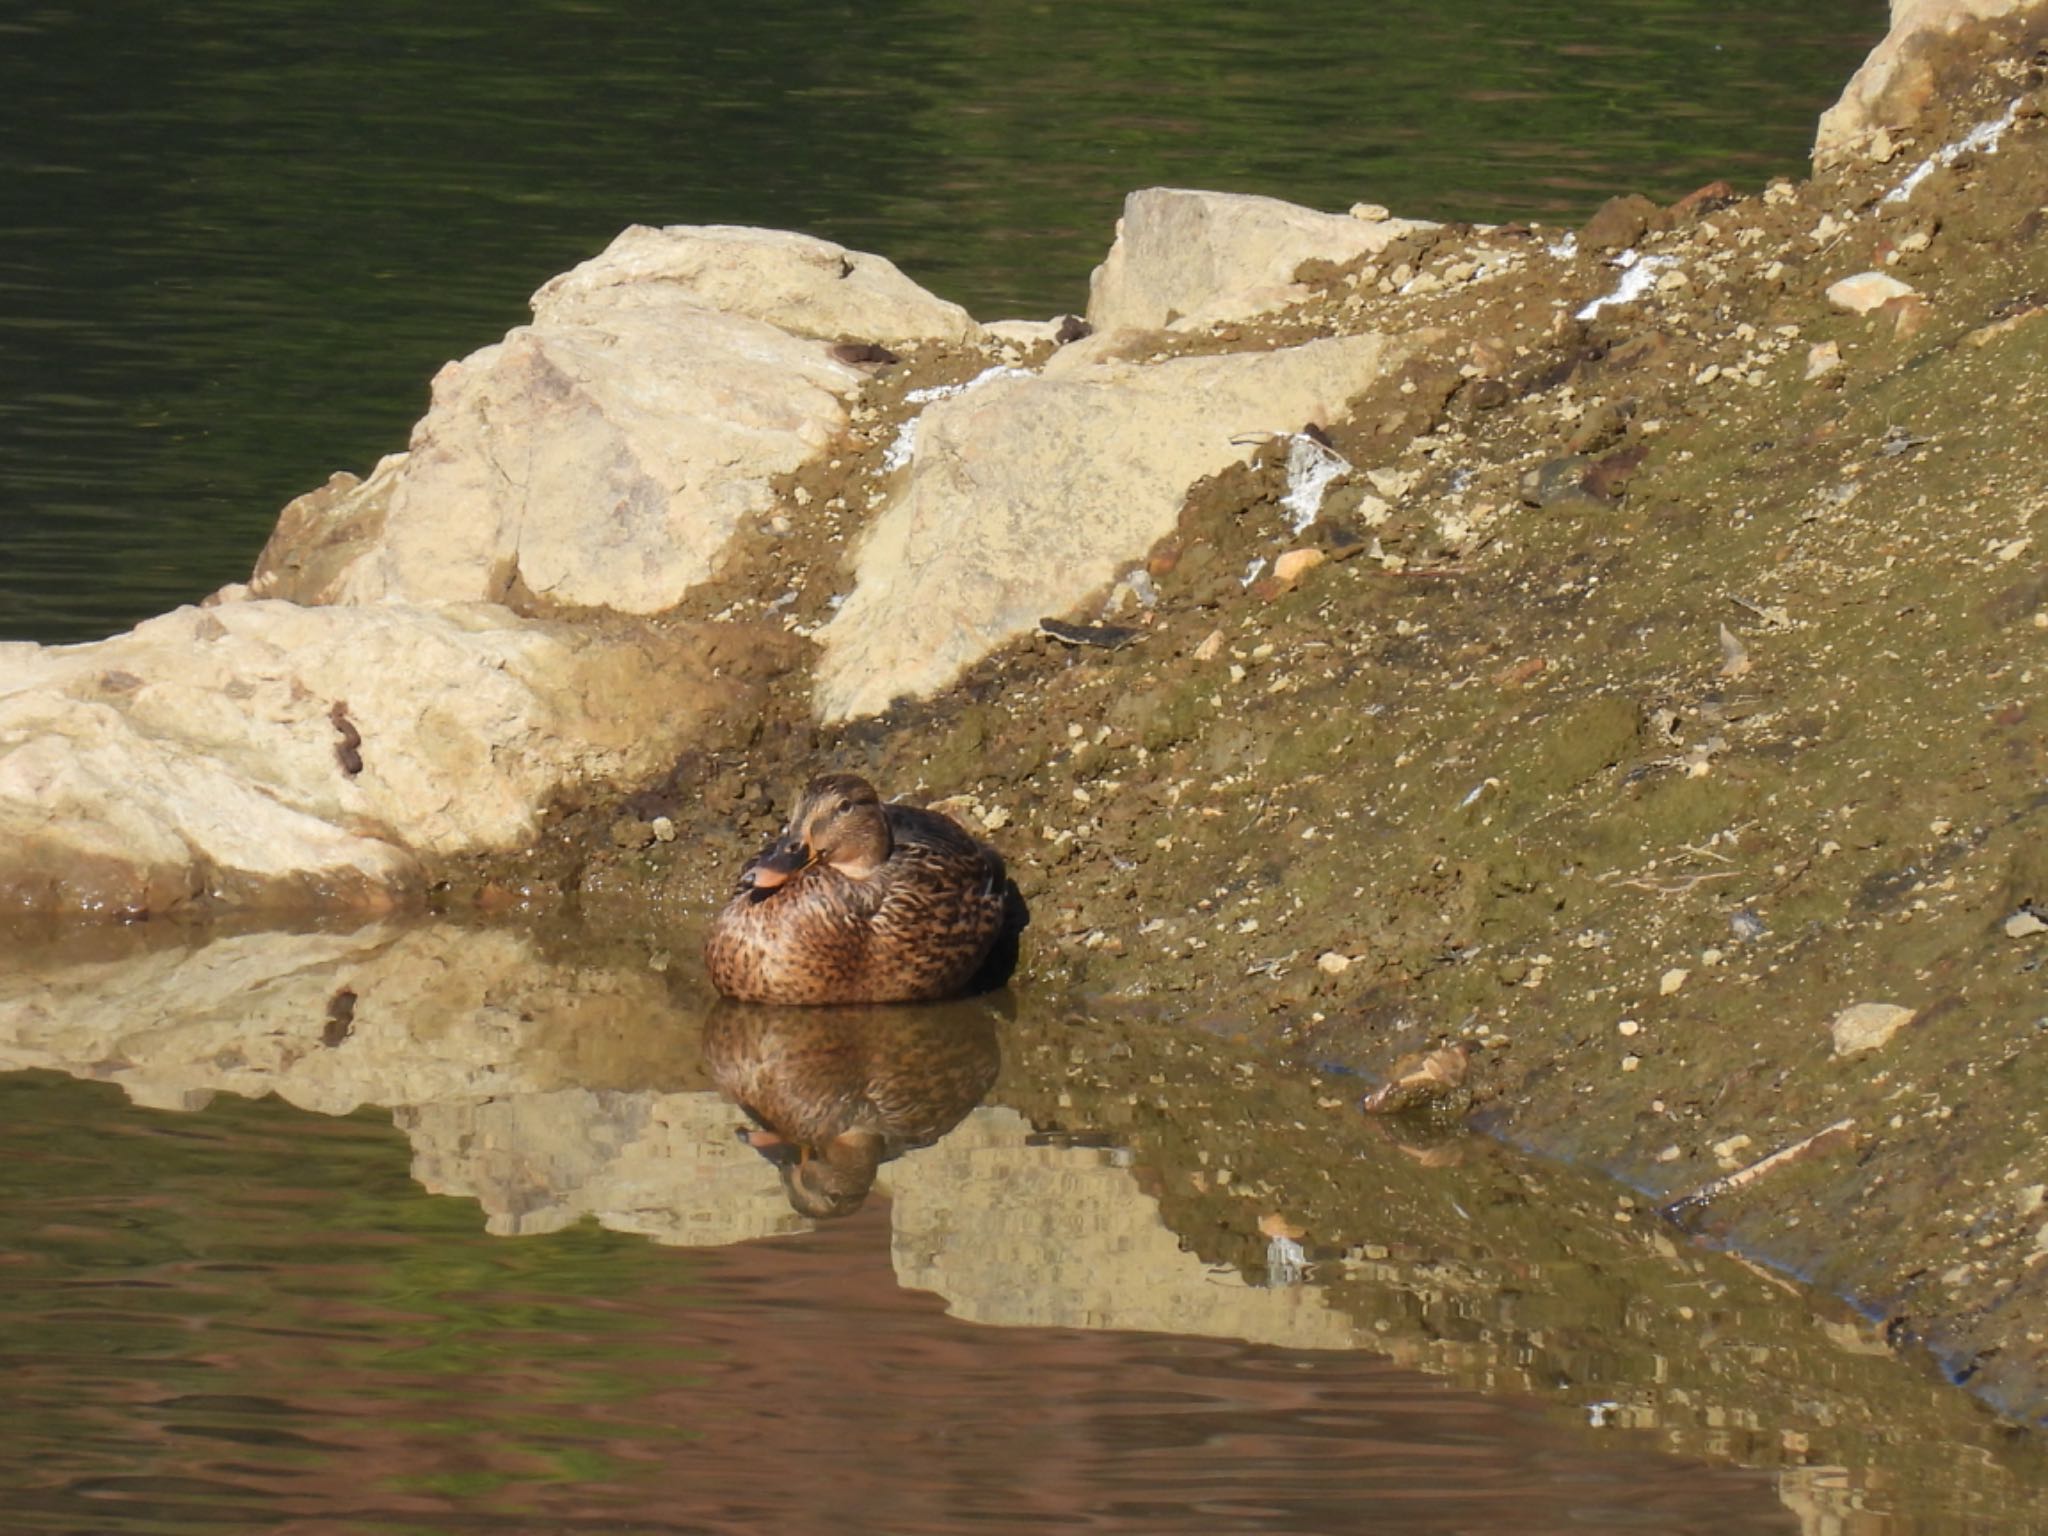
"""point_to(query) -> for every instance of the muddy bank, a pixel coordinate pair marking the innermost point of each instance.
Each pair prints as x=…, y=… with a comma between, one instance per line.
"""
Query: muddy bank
x=1668, y=684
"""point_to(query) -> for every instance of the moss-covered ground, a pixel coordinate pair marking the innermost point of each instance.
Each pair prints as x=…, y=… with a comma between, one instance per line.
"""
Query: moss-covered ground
x=1677, y=683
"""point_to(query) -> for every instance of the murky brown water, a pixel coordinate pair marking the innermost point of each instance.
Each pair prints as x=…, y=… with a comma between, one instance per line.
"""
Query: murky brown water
x=437, y=1228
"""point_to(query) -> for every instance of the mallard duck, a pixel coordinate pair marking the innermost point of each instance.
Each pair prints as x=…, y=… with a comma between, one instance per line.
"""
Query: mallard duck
x=834, y=1093
x=860, y=902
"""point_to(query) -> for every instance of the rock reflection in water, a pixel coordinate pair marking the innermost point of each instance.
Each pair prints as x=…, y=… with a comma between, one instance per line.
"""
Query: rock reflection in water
x=1118, y=1182
x=836, y=1092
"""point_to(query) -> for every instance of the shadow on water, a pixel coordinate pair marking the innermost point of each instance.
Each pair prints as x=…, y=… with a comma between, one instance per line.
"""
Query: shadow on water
x=1080, y=1269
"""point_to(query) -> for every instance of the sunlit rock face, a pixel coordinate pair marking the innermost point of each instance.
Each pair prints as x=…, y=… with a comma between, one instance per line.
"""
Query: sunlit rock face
x=1026, y=494
x=268, y=754
x=1896, y=83
x=1187, y=258
x=602, y=456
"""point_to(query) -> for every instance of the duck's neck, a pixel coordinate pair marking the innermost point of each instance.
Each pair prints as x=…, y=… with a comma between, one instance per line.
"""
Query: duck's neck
x=863, y=846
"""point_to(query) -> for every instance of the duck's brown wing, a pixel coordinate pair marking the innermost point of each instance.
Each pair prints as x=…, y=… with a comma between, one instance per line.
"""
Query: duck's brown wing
x=944, y=905
x=930, y=840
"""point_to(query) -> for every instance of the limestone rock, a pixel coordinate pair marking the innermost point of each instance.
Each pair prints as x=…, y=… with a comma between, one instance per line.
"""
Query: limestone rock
x=797, y=283
x=1027, y=494
x=596, y=464
x=273, y=754
x=1205, y=256
x=1432, y=1082
x=1894, y=84
x=1291, y=566
x=1867, y=1026
x=1866, y=291
x=601, y=457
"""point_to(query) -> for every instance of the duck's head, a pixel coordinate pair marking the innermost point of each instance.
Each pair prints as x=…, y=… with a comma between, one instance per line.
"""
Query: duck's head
x=839, y=821
x=828, y=1180
x=834, y=1179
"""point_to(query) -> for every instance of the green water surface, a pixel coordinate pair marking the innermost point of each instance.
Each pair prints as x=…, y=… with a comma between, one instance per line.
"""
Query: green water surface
x=239, y=238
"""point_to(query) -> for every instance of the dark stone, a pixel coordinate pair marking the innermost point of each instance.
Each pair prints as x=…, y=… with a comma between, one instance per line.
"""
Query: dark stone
x=1701, y=201
x=1339, y=541
x=1487, y=394
x=1557, y=482
x=1620, y=223
x=1608, y=476
x=1108, y=637
x=863, y=354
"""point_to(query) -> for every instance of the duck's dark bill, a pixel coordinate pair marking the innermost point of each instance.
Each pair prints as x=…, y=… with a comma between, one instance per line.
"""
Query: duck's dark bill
x=775, y=866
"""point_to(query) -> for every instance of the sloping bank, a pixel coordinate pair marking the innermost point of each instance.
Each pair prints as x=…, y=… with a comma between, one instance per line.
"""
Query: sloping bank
x=1637, y=669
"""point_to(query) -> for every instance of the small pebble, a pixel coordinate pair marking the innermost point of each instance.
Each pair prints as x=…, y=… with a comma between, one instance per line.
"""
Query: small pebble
x=1288, y=569
x=1867, y=1026
x=1725, y=1151
x=1866, y=291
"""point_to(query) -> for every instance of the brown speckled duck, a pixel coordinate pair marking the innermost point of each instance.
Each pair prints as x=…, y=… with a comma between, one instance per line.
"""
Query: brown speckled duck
x=861, y=902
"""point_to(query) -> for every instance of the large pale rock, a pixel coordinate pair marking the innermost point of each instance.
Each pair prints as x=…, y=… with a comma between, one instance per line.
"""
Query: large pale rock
x=797, y=283
x=1026, y=494
x=601, y=457
x=207, y=752
x=601, y=464
x=1895, y=83
x=1200, y=257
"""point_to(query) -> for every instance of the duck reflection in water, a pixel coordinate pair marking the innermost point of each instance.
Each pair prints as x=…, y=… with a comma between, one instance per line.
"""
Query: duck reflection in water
x=836, y=1092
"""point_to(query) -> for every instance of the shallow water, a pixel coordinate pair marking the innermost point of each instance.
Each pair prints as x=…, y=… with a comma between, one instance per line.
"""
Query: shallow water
x=250, y=1317
x=436, y=1228
x=239, y=239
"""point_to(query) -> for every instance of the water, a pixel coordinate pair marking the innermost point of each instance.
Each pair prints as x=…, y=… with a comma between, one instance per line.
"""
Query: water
x=240, y=238
x=436, y=1228
x=316, y=1346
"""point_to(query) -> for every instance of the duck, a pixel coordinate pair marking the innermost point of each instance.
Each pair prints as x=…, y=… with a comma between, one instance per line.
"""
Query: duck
x=858, y=901
x=833, y=1093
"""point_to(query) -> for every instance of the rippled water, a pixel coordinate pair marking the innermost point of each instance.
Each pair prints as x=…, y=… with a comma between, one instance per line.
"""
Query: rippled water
x=249, y=1318
x=437, y=1228
x=239, y=238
